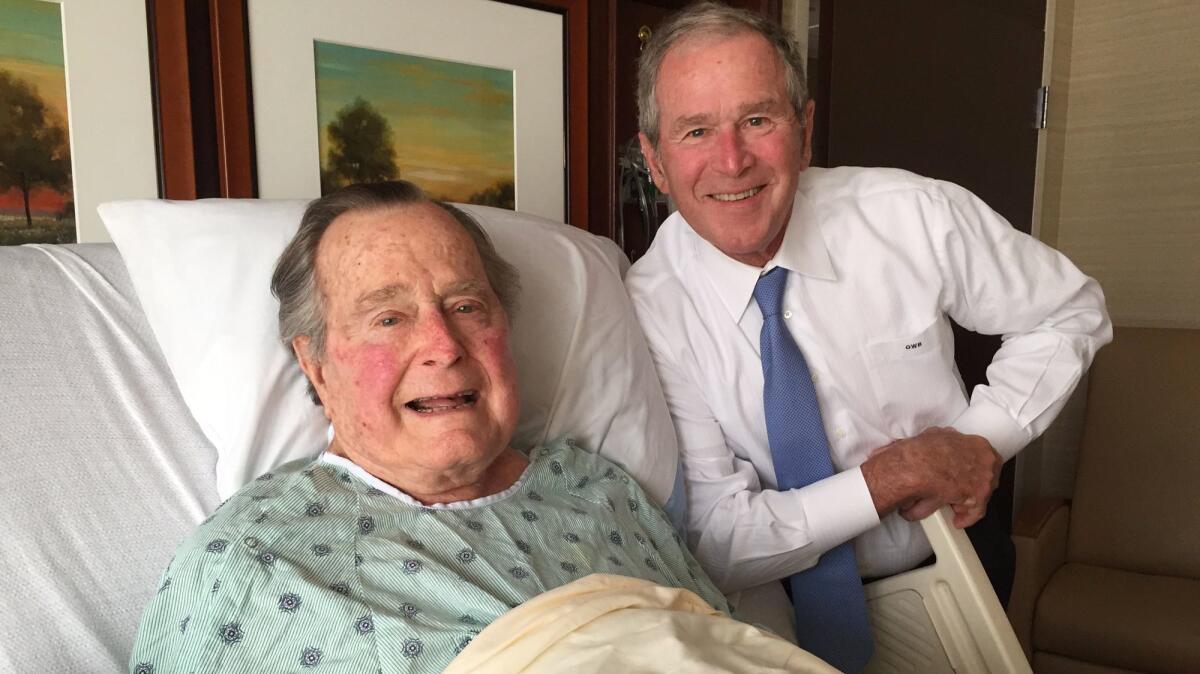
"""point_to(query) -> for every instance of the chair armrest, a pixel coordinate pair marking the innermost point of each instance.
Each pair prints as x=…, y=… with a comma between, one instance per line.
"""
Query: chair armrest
x=1035, y=517
x=1040, y=539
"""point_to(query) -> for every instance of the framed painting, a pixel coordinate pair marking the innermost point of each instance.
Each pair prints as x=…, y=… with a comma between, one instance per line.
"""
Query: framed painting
x=444, y=93
x=444, y=125
x=76, y=123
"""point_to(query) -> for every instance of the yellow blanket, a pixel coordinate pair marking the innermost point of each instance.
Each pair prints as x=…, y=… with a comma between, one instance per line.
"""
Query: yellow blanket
x=605, y=623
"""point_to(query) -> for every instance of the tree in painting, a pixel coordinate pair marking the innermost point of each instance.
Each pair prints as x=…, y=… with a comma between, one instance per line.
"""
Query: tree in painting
x=502, y=194
x=360, y=147
x=33, y=144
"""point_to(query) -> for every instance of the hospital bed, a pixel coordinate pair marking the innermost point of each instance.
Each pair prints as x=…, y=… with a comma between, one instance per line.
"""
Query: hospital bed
x=141, y=383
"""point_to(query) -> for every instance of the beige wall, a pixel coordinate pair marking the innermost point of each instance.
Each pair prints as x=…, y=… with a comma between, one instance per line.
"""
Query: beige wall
x=1125, y=205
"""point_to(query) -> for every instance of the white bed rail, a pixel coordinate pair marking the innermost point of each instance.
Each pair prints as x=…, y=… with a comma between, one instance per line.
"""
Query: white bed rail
x=944, y=617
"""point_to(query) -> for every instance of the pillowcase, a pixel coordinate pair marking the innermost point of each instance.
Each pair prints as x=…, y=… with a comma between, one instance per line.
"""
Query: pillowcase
x=202, y=271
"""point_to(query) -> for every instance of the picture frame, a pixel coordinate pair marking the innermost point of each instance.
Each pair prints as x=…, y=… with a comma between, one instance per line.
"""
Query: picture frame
x=283, y=89
x=109, y=107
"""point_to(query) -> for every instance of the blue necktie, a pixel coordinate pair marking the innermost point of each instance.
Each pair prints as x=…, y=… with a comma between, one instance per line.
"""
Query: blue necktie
x=831, y=610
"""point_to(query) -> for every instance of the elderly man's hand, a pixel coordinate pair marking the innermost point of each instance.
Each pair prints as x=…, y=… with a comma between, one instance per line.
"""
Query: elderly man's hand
x=939, y=467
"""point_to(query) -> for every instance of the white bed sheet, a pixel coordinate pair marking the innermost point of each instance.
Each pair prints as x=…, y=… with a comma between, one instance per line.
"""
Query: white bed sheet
x=81, y=374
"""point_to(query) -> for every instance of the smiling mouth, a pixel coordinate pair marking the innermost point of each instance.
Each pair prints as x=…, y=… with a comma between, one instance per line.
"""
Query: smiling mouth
x=737, y=196
x=435, y=404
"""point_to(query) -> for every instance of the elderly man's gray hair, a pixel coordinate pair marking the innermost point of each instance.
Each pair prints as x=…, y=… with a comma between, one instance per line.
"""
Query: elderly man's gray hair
x=712, y=19
x=294, y=283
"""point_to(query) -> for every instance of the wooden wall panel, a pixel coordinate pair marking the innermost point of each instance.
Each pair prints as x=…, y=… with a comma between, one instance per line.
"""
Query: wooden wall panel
x=1129, y=208
x=172, y=99
x=202, y=98
x=236, y=163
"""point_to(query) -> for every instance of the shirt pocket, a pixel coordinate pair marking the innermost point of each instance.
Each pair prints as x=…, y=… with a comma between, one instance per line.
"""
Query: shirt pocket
x=915, y=380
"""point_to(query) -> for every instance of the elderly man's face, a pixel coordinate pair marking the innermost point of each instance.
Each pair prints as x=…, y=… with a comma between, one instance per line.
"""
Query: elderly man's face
x=730, y=148
x=417, y=377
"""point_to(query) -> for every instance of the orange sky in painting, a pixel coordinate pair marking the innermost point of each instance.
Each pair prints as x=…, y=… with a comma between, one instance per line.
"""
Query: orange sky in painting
x=41, y=201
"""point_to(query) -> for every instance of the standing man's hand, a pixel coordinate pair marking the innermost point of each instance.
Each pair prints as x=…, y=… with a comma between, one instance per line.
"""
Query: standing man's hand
x=939, y=467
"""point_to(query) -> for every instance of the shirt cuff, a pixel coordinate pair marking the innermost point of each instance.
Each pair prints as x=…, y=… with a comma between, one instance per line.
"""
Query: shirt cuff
x=995, y=425
x=838, y=509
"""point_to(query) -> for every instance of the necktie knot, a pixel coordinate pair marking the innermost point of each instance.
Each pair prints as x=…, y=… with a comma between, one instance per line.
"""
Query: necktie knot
x=768, y=292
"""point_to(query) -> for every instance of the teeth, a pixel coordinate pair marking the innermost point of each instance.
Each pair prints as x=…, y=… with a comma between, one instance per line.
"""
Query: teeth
x=738, y=196
x=432, y=404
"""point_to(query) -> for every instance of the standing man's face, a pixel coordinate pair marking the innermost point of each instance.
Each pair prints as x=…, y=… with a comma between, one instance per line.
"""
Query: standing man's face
x=730, y=147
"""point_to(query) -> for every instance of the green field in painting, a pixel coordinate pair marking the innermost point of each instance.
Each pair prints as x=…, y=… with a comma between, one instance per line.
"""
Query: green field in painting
x=15, y=231
x=446, y=126
x=34, y=143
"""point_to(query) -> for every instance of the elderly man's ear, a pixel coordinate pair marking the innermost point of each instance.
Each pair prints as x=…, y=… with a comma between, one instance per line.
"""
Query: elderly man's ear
x=309, y=364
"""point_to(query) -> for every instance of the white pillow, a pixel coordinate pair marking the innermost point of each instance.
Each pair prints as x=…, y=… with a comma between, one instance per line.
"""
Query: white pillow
x=202, y=271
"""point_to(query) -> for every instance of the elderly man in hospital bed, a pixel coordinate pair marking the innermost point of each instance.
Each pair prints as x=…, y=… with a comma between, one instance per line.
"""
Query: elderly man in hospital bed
x=419, y=526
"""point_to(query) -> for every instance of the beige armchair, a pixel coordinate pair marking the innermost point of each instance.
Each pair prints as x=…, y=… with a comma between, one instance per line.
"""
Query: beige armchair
x=1110, y=582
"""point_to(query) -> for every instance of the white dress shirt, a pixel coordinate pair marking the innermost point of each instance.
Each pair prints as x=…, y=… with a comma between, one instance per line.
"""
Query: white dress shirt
x=880, y=260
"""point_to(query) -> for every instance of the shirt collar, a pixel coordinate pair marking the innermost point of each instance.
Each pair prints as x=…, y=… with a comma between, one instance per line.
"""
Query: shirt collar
x=803, y=251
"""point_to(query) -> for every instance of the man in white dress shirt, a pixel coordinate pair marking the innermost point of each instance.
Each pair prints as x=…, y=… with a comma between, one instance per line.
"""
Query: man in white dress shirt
x=878, y=261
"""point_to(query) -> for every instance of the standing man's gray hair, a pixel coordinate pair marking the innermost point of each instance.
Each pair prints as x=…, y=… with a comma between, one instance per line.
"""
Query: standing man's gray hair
x=713, y=19
x=295, y=284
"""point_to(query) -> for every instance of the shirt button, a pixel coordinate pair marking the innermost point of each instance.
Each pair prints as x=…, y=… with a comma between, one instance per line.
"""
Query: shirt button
x=251, y=542
x=816, y=378
x=840, y=433
x=787, y=314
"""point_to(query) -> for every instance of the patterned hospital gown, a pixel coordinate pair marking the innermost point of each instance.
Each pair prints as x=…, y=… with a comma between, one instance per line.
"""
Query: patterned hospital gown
x=321, y=567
